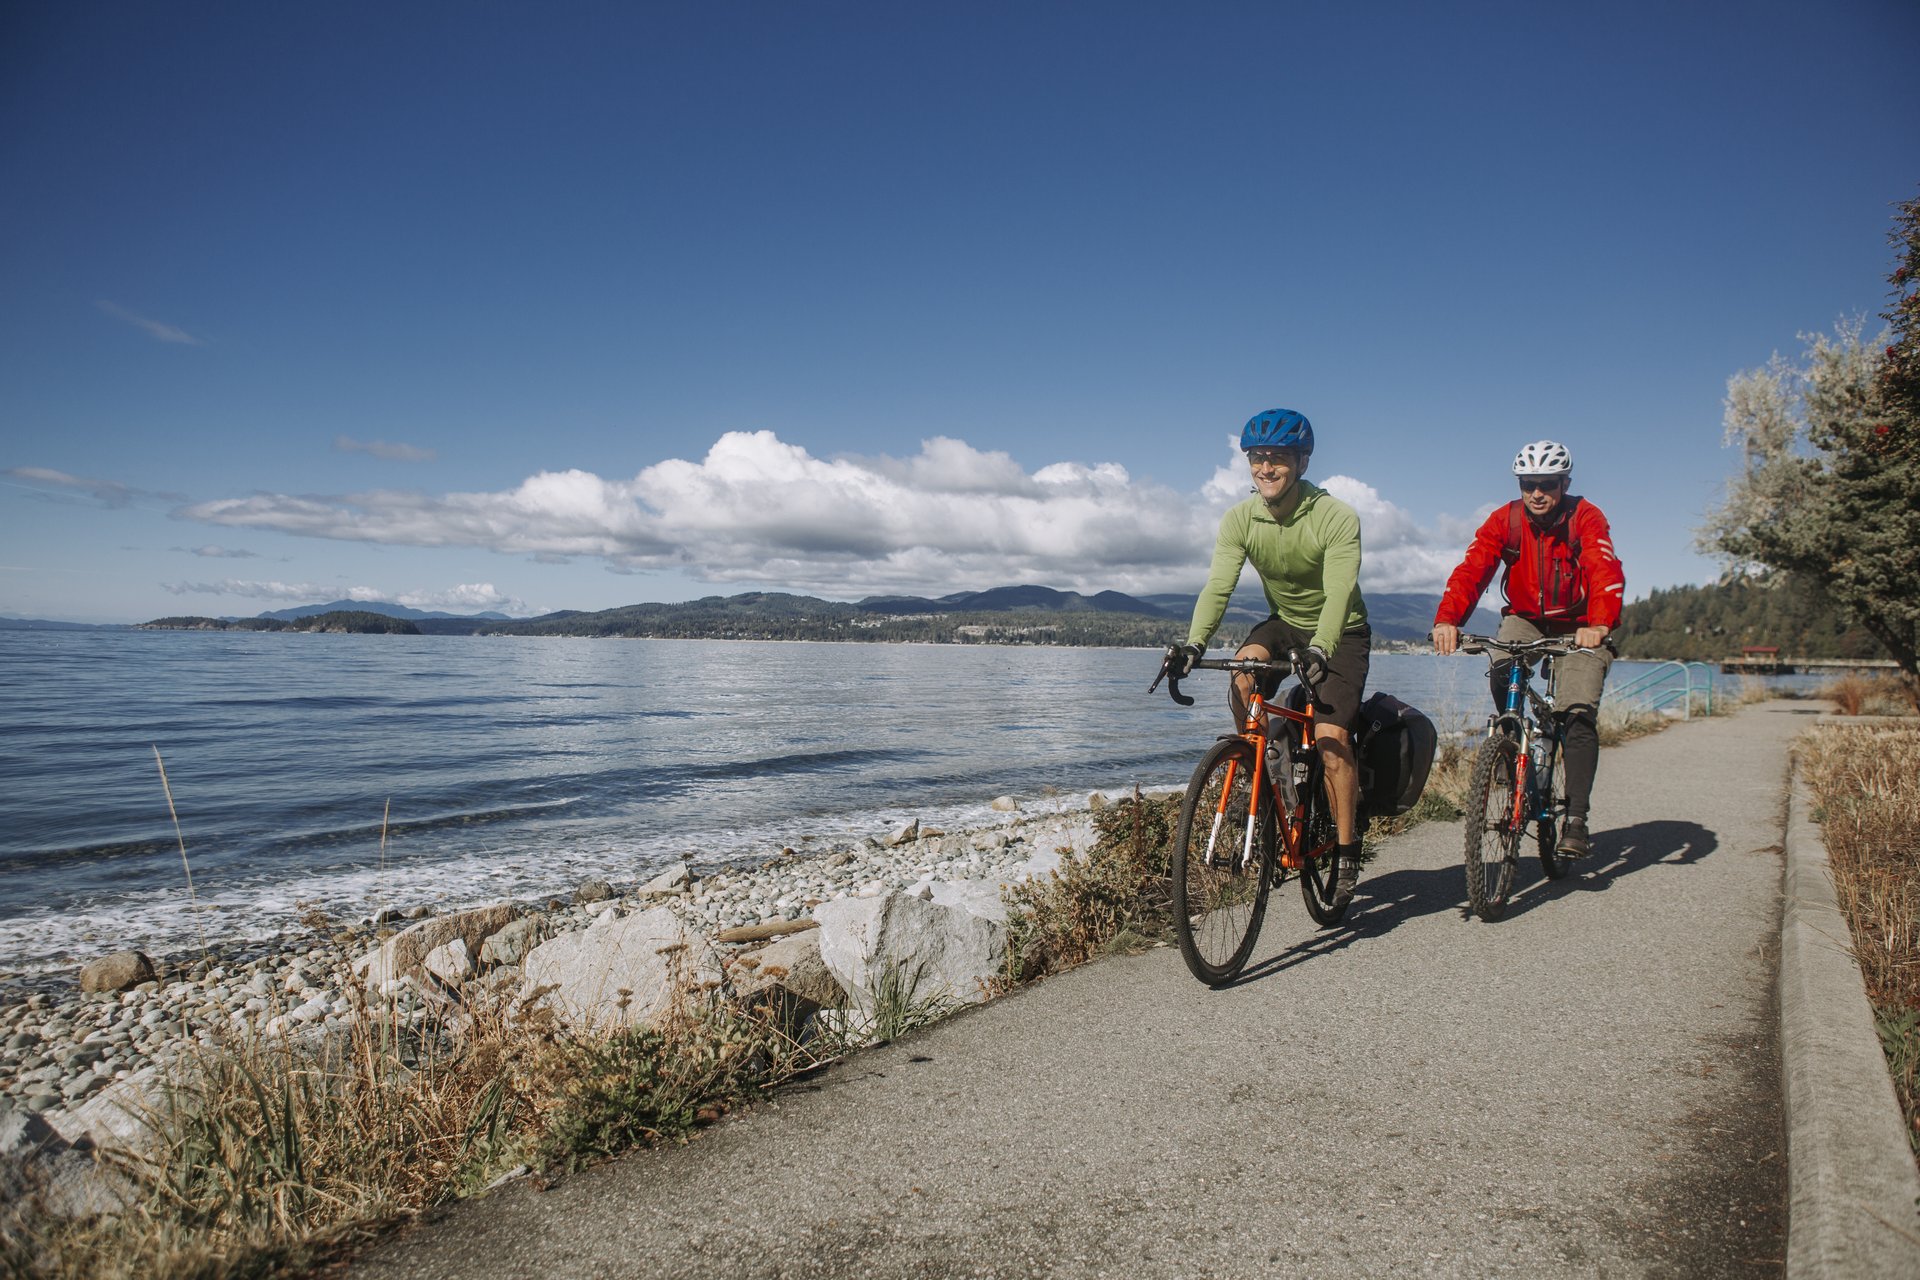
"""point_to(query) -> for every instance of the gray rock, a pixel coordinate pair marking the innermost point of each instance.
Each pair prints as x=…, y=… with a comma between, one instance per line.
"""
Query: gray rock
x=23, y=1133
x=120, y=1117
x=944, y=953
x=1098, y=801
x=121, y=971
x=592, y=891
x=794, y=963
x=905, y=835
x=450, y=962
x=511, y=944
x=975, y=897
x=1005, y=804
x=672, y=880
x=618, y=970
x=403, y=954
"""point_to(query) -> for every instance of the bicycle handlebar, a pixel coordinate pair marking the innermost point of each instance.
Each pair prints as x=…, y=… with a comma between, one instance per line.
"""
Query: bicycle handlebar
x=1549, y=647
x=1239, y=666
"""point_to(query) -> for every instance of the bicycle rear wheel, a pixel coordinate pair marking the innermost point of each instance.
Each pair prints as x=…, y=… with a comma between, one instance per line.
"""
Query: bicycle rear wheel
x=1493, y=840
x=1547, y=829
x=1222, y=861
x=1320, y=871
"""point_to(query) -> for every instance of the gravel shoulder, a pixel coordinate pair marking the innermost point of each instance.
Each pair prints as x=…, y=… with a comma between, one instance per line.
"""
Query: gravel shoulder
x=1588, y=1087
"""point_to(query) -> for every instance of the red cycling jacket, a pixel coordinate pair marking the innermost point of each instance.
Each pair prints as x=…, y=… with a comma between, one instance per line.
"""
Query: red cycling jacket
x=1560, y=578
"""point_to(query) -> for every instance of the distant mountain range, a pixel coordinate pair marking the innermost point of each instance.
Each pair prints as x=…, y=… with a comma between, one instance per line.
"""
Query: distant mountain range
x=1022, y=614
x=370, y=606
x=1028, y=613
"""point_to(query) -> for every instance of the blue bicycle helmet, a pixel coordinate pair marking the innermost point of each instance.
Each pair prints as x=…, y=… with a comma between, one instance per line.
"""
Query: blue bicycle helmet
x=1278, y=429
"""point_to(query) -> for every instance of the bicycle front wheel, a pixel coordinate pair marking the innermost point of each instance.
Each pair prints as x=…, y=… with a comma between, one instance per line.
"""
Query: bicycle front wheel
x=1547, y=828
x=1222, y=860
x=1493, y=838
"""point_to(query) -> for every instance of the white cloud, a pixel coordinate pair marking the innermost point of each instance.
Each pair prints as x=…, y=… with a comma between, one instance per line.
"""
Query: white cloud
x=756, y=509
x=468, y=597
x=163, y=332
x=109, y=493
x=392, y=452
x=1398, y=555
x=220, y=553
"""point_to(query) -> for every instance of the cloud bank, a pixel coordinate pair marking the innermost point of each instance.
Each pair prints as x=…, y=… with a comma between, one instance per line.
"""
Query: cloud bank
x=60, y=486
x=756, y=509
x=469, y=597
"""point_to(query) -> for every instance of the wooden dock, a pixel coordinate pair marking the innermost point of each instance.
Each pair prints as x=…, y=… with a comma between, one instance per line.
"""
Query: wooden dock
x=1775, y=666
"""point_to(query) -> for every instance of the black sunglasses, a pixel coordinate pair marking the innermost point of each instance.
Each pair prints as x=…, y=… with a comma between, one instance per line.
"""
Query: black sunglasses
x=1539, y=484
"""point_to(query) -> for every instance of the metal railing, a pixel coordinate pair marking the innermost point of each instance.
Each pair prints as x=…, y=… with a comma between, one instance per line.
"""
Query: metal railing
x=1666, y=684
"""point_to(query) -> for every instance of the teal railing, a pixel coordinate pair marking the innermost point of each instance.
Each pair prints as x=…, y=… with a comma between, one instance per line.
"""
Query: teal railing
x=1666, y=684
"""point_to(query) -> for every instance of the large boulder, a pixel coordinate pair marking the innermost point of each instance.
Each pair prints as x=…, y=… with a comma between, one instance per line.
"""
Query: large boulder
x=975, y=897
x=942, y=952
x=121, y=971
x=404, y=954
x=450, y=962
x=119, y=1118
x=620, y=970
x=788, y=979
x=793, y=963
x=511, y=944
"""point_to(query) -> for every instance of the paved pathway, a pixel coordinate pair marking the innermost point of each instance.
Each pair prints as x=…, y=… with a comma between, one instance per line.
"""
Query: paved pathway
x=1586, y=1088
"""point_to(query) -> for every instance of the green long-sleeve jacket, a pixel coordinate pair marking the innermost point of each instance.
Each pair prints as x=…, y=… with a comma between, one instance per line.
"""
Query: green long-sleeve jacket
x=1309, y=567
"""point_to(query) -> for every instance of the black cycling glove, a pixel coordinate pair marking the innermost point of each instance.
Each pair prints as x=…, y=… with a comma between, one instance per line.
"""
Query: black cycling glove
x=1181, y=657
x=1313, y=665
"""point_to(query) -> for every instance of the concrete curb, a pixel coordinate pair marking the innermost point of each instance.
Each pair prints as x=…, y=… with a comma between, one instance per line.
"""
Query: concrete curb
x=1852, y=1184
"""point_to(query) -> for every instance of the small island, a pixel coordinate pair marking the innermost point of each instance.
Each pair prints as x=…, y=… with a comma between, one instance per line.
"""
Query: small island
x=339, y=622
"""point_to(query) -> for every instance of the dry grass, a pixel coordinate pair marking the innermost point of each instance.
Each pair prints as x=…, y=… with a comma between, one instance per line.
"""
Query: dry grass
x=1115, y=895
x=1858, y=695
x=1866, y=784
x=270, y=1152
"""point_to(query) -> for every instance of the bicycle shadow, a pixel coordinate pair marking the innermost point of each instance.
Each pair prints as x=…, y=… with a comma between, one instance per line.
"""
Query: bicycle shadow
x=1384, y=903
x=1617, y=852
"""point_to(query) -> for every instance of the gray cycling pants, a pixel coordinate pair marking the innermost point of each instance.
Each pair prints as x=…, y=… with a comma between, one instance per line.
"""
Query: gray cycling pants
x=1577, y=678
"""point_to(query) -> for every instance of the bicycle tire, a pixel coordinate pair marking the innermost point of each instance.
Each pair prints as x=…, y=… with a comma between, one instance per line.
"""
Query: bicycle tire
x=1320, y=877
x=1492, y=844
x=1220, y=894
x=1546, y=830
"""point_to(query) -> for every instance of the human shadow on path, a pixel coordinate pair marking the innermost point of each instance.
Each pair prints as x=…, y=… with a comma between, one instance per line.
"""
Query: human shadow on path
x=1383, y=903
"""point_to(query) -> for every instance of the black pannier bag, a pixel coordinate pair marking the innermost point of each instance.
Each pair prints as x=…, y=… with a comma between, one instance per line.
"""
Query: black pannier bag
x=1395, y=745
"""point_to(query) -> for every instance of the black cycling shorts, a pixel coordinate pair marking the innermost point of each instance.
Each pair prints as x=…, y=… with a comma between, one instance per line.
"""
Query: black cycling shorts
x=1338, y=701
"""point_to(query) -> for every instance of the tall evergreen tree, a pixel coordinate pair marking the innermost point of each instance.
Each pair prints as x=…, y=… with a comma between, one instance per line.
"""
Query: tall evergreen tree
x=1830, y=475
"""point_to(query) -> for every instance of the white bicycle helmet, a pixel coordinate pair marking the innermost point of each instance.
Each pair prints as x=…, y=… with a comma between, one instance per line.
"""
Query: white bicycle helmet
x=1543, y=458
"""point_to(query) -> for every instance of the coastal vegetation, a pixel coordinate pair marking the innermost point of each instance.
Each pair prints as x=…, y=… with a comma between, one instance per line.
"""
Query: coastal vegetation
x=1866, y=785
x=1715, y=621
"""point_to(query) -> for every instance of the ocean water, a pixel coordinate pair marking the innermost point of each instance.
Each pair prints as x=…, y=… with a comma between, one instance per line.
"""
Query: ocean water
x=502, y=767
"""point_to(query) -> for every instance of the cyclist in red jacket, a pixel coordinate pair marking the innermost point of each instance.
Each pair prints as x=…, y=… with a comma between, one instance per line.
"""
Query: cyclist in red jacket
x=1562, y=578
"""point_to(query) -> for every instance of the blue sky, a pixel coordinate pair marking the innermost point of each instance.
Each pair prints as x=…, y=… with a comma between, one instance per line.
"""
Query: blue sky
x=571, y=306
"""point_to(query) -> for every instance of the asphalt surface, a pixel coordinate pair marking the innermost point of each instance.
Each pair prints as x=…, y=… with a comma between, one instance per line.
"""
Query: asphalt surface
x=1589, y=1087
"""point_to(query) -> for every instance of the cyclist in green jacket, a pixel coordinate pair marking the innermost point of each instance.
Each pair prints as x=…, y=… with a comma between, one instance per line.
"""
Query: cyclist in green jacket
x=1305, y=545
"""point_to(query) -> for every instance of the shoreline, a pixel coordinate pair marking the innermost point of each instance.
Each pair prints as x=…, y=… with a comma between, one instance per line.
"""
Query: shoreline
x=61, y=1048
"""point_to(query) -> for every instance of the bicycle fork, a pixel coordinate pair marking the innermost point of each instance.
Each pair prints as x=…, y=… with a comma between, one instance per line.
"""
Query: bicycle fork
x=1220, y=814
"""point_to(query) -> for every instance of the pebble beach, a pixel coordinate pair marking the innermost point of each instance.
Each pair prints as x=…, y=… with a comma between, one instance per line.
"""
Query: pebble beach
x=59, y=1047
